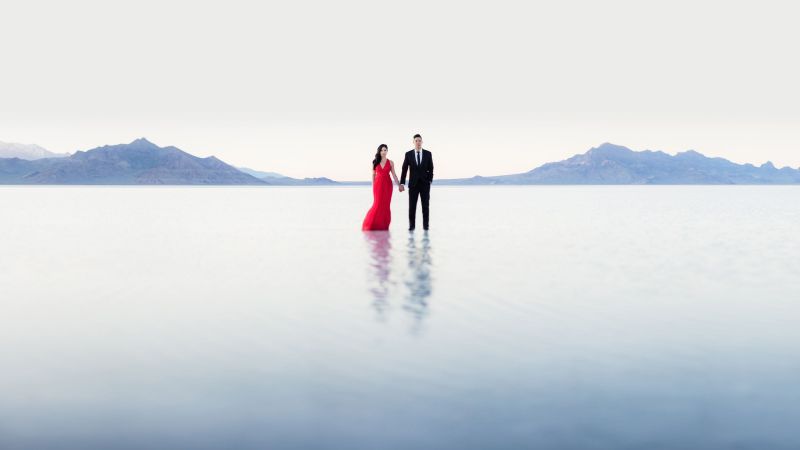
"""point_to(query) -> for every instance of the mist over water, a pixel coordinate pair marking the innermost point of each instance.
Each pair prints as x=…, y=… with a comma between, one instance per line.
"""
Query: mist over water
x=574, y=317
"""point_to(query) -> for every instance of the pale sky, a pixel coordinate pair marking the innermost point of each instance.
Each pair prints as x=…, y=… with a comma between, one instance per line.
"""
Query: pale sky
x=312, y=88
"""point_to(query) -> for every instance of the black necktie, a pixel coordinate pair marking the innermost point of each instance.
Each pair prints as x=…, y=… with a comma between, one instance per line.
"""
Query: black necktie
x=418, y=157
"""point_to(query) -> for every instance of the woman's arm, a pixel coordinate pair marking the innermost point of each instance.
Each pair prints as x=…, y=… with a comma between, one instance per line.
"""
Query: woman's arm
x=394, y=175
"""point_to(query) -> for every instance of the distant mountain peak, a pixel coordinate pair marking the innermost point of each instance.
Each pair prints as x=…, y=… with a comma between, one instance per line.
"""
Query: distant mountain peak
x=26, y=151
x=690, y=154
x=607, y=149
x=143, y=142
x=609, y=145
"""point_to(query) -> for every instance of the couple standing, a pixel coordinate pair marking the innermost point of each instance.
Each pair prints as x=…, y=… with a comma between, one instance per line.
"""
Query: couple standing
x=420, y=162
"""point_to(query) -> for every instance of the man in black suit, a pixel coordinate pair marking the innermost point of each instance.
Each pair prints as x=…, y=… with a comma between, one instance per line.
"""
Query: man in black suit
x=419, y=181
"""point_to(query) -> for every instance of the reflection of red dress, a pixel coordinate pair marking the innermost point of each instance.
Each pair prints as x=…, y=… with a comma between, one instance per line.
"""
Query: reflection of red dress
x=379, y=216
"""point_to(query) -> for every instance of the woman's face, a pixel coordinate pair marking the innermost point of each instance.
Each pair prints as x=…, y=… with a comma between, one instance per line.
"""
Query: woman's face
x=384, y=152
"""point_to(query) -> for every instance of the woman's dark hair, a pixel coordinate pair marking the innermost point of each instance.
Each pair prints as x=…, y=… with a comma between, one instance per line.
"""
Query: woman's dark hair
x=377, y=159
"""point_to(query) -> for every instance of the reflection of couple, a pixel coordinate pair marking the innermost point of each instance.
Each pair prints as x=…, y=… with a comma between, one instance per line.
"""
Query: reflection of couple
x=418, y=280
x=420, y=163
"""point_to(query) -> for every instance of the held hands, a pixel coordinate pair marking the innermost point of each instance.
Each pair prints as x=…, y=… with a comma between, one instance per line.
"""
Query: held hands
x=402, y=188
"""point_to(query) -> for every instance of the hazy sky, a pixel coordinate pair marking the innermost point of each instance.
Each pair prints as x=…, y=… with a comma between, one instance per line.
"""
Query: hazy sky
x=312, y=88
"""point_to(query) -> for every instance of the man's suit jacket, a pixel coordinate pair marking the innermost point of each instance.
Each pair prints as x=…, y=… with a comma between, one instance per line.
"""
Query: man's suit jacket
x=422, y=173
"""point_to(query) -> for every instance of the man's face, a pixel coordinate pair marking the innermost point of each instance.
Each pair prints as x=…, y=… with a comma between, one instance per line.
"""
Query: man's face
x=417, y=143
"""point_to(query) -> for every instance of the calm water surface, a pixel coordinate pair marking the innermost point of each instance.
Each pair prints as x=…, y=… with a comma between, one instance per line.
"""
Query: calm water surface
x=625, y=317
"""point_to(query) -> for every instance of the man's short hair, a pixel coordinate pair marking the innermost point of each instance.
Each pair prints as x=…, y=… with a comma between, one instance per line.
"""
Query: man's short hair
x=417, y=136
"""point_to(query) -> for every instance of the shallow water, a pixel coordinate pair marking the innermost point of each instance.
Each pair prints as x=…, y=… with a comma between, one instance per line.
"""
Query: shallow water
x=591, y=317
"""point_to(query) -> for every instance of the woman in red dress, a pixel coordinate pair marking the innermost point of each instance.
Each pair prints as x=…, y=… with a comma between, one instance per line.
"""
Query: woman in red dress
x=380, y=215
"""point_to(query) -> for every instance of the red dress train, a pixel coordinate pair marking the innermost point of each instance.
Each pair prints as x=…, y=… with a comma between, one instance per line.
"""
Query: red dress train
x=380, y=215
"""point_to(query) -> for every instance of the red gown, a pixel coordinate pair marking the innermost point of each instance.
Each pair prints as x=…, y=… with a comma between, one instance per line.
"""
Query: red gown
x=379, y=216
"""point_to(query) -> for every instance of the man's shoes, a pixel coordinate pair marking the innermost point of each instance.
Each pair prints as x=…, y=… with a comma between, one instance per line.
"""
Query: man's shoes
x=425, y=228
x=410, y=228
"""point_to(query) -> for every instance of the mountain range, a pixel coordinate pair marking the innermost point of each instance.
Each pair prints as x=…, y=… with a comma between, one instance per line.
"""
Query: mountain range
x=282, y=180
x=142, y=162
x=615, y=164
x=26, y=151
